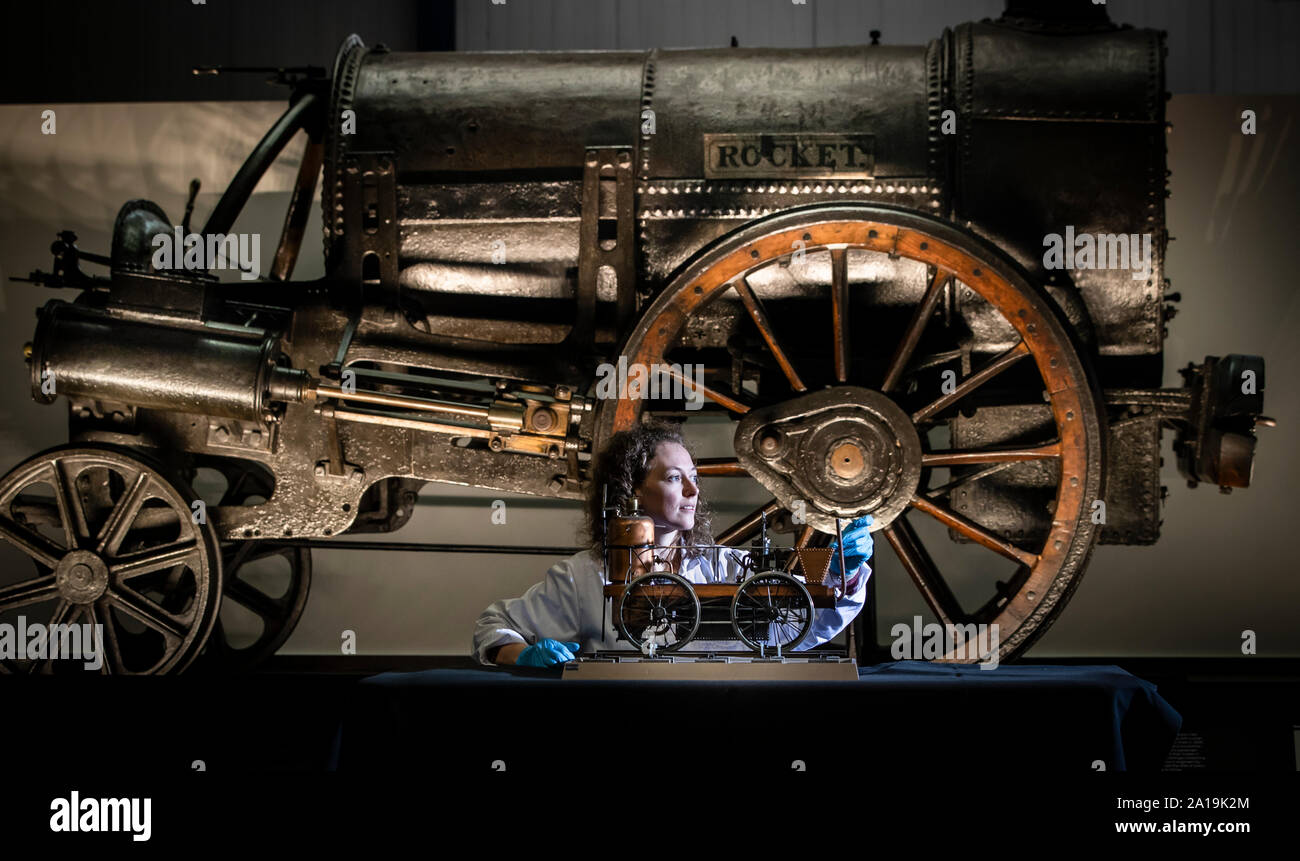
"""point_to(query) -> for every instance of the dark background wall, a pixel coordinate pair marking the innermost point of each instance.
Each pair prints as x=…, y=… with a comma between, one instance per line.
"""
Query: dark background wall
x=143, y=50
x=1215, y=46
x=134, y=123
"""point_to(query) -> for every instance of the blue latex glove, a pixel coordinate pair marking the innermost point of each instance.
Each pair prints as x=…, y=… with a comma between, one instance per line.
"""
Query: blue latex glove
x=858, y=548
x=547, y=652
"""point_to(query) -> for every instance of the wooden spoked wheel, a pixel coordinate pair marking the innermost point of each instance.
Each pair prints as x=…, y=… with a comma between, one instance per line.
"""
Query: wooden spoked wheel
x=660, y=608
x=771, y=611
x=110, y=539
x=849, y=415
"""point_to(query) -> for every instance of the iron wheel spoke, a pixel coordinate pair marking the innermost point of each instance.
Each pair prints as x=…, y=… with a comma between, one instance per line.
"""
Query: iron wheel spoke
x=949, y=486
x=32, y=591
x=183, y=552
x=973, y=382
x=921, y=568
x=71, y=513
x=33, y=544
x=712, y=394
x=147, y=612
x=964, y=458
x=123, y=515
x=840, y=311
x=62, y=613
x=262, y=605
x=109, y=661
x=759, y=316
x=748, y=525
x=974, y=531
x=912, y=336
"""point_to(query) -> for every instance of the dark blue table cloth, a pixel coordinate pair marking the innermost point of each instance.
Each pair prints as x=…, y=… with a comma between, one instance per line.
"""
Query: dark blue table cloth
x=903, y=714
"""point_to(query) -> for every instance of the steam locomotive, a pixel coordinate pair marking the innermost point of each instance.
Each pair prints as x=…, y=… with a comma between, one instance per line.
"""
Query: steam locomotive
x=920, y=282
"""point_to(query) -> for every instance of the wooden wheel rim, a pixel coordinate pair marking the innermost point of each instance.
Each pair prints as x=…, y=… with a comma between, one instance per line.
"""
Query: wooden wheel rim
x=1057, y=567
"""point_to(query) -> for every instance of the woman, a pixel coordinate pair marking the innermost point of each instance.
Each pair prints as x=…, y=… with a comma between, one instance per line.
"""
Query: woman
x=562, y=615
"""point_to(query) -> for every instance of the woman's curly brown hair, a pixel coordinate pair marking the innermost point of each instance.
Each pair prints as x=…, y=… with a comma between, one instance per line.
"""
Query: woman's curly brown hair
x=622, y=465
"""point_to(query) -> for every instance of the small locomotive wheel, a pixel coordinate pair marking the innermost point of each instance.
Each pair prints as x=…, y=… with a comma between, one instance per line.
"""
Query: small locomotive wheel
x=850, y=416
x=278, y=616
x=267, y=580
x=113, y=541
x=771, y=609
x=660, y=607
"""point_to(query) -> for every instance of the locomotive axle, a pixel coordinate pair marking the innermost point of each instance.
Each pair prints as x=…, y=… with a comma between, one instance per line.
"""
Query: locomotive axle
x=847, y=451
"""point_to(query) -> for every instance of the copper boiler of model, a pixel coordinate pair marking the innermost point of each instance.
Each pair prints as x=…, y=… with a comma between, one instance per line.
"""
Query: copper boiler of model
x=631, y=544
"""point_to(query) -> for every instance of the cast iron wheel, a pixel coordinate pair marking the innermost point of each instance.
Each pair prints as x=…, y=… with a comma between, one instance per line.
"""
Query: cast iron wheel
x=113, y=542
x=771, y=610
x=277, y=615
x=660, y=607
x=864, y=441
x=247, y=572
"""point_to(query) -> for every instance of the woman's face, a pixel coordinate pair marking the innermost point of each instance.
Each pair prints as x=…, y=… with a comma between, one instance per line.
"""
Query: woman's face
x=671, y=488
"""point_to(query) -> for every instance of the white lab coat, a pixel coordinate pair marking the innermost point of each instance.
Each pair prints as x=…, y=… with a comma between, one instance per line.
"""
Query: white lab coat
x=568, y=605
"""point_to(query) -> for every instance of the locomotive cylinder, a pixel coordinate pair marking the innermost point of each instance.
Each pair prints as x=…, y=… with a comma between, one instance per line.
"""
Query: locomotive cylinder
x=82, y=352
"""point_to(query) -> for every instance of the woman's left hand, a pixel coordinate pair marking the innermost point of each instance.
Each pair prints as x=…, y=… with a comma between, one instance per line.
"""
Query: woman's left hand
x=858, y=545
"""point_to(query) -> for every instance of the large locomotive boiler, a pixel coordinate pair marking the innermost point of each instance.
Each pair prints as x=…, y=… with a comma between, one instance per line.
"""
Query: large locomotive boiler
x=924, y=283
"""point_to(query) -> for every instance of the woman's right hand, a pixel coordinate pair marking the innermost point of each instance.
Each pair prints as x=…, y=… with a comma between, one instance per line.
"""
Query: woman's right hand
x=547, y=653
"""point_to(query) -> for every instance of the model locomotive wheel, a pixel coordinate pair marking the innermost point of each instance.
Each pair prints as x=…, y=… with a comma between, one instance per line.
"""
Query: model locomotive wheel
x=110, y=540
x=659, y=608
x=845, y=421
x=771, y=611
x=268, y=582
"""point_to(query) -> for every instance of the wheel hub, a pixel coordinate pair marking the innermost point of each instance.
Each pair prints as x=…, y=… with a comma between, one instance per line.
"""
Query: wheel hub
x=82, y=577
x=843, y=452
